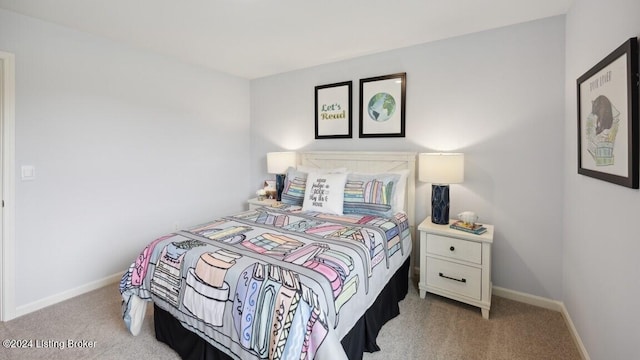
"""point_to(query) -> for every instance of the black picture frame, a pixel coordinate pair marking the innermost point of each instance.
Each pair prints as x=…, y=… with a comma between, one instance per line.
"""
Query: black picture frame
x=377, y=93
x=608, y=118
x=333, y=111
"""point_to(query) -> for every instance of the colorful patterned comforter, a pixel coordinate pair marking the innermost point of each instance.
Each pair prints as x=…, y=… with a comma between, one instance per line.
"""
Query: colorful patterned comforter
x=274, y=282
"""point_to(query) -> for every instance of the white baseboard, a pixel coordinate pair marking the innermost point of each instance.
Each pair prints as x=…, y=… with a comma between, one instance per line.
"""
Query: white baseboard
x=574, y=333
x=538, y=301
x=66, y=295
x=547, y=304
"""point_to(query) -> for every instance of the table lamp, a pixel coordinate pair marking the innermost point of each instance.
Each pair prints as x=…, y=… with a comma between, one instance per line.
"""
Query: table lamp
x=278, y=163
x=441, y=169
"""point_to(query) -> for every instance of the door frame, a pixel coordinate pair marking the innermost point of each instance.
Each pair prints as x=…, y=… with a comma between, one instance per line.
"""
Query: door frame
x=7, y=188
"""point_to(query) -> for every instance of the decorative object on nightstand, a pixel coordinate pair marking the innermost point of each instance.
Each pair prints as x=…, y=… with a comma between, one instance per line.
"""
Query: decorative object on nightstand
x=456, y=264
x=470, y=228
x=278, y=163
x=441, y=169
x=468, y=217
x=467, y=223
x=270, y=188
x=262, y=194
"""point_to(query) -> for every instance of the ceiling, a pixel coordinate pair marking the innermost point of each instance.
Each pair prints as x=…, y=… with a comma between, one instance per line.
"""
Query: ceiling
x=256, y=38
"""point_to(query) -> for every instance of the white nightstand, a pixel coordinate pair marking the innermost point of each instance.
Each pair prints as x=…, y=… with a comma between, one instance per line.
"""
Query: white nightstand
x=456, y=264
x=255, y=203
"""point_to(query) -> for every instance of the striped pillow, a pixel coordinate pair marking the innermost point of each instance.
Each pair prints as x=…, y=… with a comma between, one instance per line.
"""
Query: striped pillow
x=294, y=185
x=370, y=194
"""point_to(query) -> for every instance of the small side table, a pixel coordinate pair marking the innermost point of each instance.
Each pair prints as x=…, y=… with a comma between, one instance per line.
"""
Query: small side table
x=255, y=203
x=456, y=264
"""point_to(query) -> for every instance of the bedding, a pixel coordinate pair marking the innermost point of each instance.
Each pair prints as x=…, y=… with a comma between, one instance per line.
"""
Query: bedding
x=324, y=193
x=294, y=186
x=296, y=182
x=370, y=194
x=273, y=282
x=361, y=338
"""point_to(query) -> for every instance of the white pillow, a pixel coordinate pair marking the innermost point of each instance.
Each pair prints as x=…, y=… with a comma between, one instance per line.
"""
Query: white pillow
x=324, y=193
x=400, y=194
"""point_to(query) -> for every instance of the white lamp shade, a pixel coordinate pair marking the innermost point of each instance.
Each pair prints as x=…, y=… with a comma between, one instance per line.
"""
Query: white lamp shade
x=441, y=168
x=279, y=162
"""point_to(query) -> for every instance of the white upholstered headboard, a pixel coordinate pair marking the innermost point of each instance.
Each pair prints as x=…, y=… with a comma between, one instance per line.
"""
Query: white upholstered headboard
x=369, y=162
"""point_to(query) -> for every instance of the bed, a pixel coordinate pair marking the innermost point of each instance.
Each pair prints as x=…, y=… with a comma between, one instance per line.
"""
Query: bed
x=295, y=280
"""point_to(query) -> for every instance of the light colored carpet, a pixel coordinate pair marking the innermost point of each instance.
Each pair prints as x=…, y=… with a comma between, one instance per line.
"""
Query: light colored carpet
x=431, y=328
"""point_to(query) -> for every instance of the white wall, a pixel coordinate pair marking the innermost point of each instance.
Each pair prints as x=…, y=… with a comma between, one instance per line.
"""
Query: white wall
x=125, y=144
x=602, y=241
x=497, y=96
x=115, y=133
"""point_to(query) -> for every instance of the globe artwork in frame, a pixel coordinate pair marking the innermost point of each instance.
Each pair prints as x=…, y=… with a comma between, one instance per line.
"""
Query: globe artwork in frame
x=608, y=118
x=382, y=106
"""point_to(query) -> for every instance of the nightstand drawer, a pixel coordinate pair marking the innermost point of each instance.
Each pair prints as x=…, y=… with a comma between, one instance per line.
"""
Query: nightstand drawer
x=455, y=248
x=457, y=278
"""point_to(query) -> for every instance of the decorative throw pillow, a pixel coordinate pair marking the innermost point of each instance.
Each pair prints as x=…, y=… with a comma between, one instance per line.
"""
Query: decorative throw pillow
x=324, y=193
x=400, y=192
x=294, y=185
x=296, y=182
x=370, y=194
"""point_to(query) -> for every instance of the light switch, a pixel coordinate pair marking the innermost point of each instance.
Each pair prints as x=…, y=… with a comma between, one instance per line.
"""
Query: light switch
x=28, y=172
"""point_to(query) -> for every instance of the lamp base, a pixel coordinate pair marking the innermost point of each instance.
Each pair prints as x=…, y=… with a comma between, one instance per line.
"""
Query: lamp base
x=440, y=204
x=279, y=185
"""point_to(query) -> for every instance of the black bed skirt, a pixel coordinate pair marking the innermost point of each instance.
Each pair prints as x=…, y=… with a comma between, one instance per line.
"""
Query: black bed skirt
x=361, y=338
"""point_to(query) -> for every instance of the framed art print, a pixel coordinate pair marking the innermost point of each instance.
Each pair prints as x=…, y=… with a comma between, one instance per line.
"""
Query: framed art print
x=382, y=106
x=608, y=118
x=333, y=111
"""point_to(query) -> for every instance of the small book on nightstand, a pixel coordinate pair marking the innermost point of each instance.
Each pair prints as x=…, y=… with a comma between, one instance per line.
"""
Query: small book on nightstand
x=470, y=228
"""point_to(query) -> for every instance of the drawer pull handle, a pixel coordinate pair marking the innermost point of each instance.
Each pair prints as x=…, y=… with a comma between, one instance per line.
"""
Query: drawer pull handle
x=462, y=280
x=452, y=249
